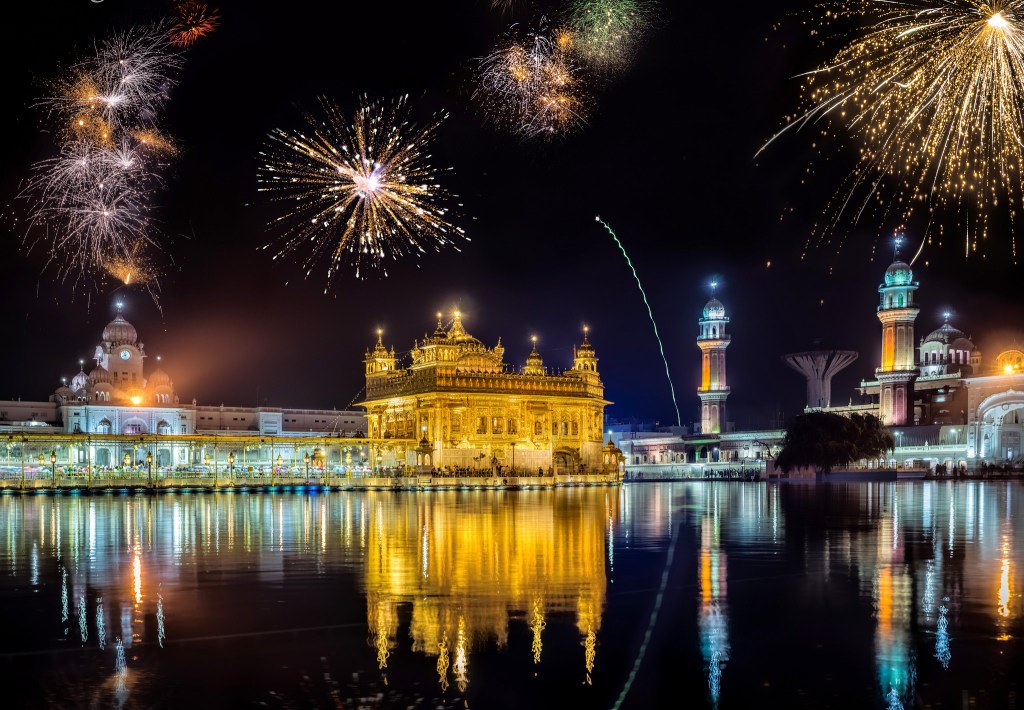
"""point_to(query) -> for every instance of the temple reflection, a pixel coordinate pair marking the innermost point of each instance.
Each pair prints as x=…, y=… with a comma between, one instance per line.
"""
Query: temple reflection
x=467, y=569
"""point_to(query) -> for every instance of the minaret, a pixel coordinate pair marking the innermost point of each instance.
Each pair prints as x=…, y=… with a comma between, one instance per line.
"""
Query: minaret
x=712, y=341
x=897, y=371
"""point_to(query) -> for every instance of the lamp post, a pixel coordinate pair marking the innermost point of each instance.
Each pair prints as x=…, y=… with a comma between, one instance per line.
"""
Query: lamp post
x=231, y=464
x=305, y=458
x=280, y=462
x=513, y=445
x=149, y=466
x=53, y=466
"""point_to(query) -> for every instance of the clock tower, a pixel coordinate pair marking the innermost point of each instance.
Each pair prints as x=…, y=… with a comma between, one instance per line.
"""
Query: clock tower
x=121, y=355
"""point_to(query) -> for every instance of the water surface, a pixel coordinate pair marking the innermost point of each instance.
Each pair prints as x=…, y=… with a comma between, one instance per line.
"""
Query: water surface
x=713, y=594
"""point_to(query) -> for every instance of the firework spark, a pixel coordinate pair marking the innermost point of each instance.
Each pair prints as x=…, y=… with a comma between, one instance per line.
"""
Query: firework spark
x=124, y=83
x=135, y=267
x=91, y=202
x=194, y=20
x=933, y=90
x=607, y=32
x=358, y=191
x=532, y=88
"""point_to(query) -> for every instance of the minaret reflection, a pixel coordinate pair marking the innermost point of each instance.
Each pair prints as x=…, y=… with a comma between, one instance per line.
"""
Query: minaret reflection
x=712, y=620
x=466, y=564
x=893, y=600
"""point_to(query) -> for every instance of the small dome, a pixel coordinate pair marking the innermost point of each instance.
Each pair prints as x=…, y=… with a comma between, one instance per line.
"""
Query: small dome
x=945, y=334
x=64, y=392
x=159, y=378
x=79, y=381
x=714, y=309
x=898, y=274
x=99, y=374
x=120, y=331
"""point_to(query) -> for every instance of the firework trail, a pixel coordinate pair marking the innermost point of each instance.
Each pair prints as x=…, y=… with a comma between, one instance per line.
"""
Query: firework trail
x=932, y=92
x=532, y=87
x=357, y=191
x=650, y=314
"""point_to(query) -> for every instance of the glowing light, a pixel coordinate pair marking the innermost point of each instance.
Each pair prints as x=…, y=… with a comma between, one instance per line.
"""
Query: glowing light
x=932, y=92
x=650, y=314
x=136, y=400
x=1008, y=369
x=359, y=191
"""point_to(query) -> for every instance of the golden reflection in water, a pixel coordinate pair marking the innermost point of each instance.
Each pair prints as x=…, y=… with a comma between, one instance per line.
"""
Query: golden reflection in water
x=137, y=574
x=537, y=626
x=461, y=667
x=467, y=564
x=1004, y=594
x=442, y=663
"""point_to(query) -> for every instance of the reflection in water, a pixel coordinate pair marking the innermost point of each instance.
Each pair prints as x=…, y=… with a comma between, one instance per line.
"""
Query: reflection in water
x=101, y=630
x=466, y=569
x=712, y=621
x=893, y=595
x=120, y=675
x=450, y=577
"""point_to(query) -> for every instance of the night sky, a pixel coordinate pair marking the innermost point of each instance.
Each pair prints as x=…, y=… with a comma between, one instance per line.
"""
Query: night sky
x=667, y=159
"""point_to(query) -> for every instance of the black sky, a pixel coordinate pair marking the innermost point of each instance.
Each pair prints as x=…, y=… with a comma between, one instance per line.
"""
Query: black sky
x=667, y=159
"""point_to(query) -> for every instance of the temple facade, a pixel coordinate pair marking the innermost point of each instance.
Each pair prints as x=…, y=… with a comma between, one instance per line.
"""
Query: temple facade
x=469, y=409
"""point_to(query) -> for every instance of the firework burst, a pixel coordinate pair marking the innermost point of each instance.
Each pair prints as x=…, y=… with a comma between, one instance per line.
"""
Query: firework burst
x=124, y=83
x=933, y=91
x=358, y=191
x=92, y=202
x=194, y=20
x=532, y=88
x=605, y=33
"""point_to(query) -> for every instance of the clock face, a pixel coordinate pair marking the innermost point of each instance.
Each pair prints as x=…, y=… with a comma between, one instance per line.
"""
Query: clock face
x=125, y=354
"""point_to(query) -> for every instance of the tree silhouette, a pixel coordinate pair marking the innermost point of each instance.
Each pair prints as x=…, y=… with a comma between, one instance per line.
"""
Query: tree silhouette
x=824, y=441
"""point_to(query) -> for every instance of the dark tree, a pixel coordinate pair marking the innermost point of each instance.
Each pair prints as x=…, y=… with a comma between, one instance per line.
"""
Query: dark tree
x=824, y=441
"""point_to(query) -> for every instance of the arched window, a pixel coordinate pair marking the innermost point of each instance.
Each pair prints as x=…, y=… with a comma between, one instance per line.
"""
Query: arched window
x=537, y=428
x=103, y=427
x=899, y=300
x=163, y=428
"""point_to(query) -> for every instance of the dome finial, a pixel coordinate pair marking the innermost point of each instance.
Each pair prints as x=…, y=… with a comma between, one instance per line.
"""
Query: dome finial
x=120, y=306
x=380, y=337
x=897, y=242
x=586, y=331
x=714, y=285
x=946, y=315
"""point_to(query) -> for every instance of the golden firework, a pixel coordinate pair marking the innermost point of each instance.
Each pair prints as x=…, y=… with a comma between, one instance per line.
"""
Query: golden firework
x=358, y=191
x=933, y=91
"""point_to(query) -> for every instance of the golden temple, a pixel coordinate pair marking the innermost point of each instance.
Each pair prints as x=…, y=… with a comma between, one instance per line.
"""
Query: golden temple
x=472, y=411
